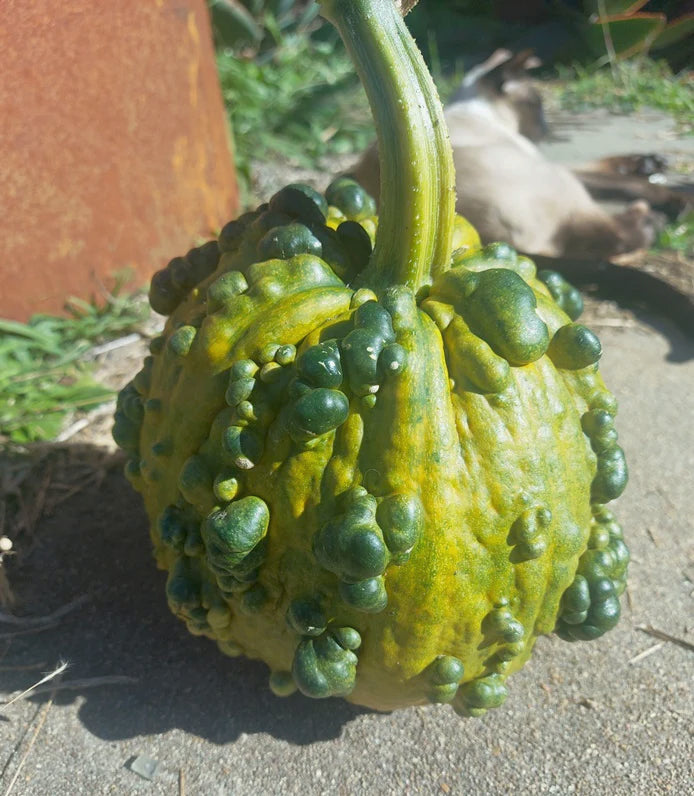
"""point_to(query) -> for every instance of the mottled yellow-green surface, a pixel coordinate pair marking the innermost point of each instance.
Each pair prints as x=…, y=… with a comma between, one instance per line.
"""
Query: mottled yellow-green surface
x=400, y=526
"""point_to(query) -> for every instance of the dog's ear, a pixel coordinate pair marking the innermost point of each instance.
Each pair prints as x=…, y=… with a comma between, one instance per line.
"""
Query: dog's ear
x=489, y=72
x=517, y=67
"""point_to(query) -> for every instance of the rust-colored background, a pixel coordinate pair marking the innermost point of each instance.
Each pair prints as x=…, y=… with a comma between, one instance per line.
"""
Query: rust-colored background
x=114, y=149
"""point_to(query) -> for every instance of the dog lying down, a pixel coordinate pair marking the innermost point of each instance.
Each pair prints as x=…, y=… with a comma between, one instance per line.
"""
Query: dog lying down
x=510, y=191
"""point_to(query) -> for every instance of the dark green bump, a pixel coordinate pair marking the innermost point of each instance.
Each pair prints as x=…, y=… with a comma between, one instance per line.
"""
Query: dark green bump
x=372, y=316
x=225, y=487
x=348, y=196
x=527, y=534
x=285, y=354
x=356, y=242
x=351, y=545
x=368, y=595
x=231, y=533
x=392, y=360
x=501, y=252
x=150, y=474
x=368, y=401
x=248, y=569
x=598, y=426
x=306, y=617
x=317, y=412
x=604, y=400
x=181, y=340
x=544, y=517
x=143, y=378
x=483, y=694
x=266, y=221
x=347, y=637
x=183, y=589
x=575, y=601
x=218, y=615
x=238, y=391
x=230, y=585
x=565, y=295
x=172, y=528
x=132, y=469
x=282, y=684
x=599, y=537
x=300, y=201
x=254, y=599
x=621, y=558
x=203, y=260
x=510, y=651
x=270, y=373
x=321, y=365
x=353, y=554
x=446, y=669
x=401, y=520
x=360, y=351
x=133, y=406
x=231, y=236
x=590, y=607
x=153, y=405
x=360, y=505
x=164, y=297
x=193, y=545
x=230, y=648
x=501, y=310
x=445, y=674
x=246, y=411
x=612, y=476
x=267, y=353
x=181, y=273
x=243, y=369
x=243, y=446
x=574, y=347
x=297, y=388
x=164, y=447
x=441, y=694
x=322, y=667
x=502, y=626
x=126, y=434
x=225, y=288
x=288, y=241
x=195, y=480
x=156, y=344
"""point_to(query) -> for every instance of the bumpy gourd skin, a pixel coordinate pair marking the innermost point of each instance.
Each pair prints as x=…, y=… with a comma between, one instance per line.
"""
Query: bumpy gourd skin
x=386, y=498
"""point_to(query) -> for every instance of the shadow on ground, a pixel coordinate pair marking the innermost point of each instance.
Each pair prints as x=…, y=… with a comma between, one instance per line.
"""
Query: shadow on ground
x=96, y=544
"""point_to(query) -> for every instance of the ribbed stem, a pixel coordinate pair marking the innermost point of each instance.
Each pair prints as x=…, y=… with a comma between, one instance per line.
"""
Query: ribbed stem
x=417, y=202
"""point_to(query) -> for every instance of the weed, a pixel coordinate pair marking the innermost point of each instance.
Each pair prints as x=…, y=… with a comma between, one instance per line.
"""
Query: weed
x=679, y=236
x=298, y=103
x=633, y=84
x=42, y=375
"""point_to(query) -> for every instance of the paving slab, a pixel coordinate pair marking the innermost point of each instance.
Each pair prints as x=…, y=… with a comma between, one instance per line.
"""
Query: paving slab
x=610, y=716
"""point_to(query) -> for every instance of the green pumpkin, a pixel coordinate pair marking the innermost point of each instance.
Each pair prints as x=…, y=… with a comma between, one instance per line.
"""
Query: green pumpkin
x=383, y=471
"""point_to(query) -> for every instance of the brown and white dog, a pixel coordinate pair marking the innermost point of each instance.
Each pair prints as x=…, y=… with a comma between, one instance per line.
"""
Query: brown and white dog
x=508, y=188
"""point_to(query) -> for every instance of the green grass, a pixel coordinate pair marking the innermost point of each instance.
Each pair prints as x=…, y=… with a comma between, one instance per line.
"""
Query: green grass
x=634, y=84
x=679, y=236
x=42, y=375
x=300, y=103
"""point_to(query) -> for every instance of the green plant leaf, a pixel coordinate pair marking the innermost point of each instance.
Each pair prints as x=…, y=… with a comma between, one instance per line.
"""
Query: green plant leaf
x=675, y=32
x=614, y=8
x=233, y=25
x=629, y=34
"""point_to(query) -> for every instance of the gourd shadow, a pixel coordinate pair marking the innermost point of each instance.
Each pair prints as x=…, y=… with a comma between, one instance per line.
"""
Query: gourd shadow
x=96, y=545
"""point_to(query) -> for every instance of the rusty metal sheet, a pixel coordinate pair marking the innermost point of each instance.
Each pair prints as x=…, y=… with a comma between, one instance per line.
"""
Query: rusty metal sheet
x=114, y=147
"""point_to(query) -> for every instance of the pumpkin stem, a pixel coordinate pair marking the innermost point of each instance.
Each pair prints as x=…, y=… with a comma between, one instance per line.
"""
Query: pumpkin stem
x=417, y=202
